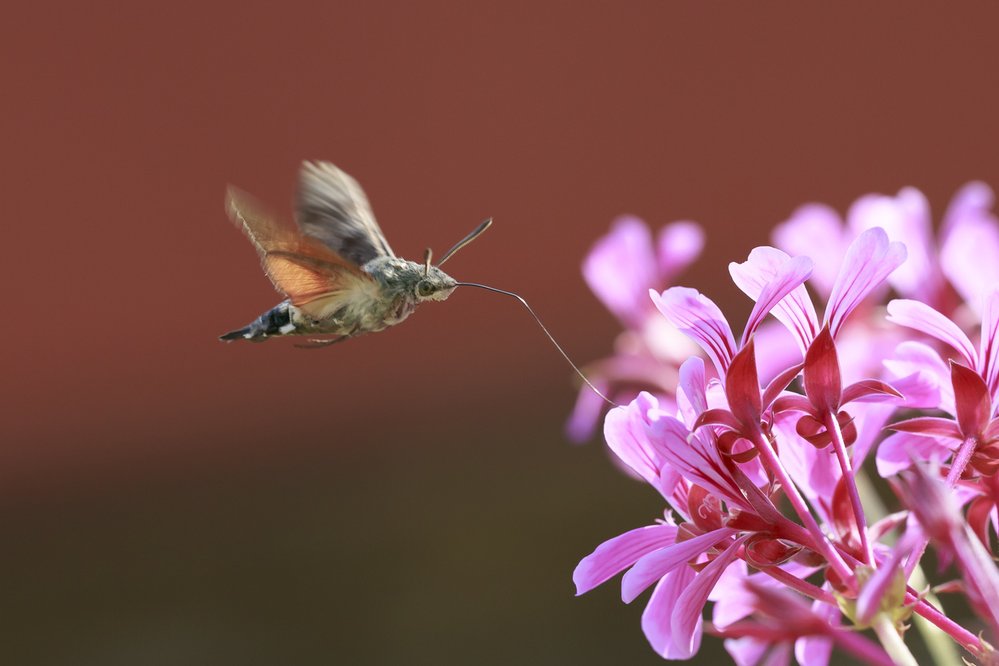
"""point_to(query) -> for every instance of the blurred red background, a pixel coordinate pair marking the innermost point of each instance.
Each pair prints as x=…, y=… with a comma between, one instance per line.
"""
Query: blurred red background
x=408, y=497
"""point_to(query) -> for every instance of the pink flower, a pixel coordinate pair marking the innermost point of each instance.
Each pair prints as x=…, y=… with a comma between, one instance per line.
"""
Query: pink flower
x=965, y=253
x=974, y=386
x=704, y=475
x=866, y=262
x=724, y=515
x=969, y=253
x=654, y=446
x=620, y=270
x=760, y=476
x=625, y=264
x=964, y=257
x=775, y=280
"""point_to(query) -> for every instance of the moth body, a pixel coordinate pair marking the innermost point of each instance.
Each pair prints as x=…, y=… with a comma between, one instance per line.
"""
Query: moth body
x=396, y=287
x=335, y=267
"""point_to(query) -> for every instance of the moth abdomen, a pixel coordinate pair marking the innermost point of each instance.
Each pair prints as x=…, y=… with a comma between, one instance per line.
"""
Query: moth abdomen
x=276, y=321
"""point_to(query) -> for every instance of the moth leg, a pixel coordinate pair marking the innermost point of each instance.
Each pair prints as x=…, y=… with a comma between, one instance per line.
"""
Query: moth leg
x=319, y=343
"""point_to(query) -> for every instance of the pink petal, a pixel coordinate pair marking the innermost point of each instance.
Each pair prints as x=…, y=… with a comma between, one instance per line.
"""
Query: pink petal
x=690, y=604
x=921, y=376
x=817, y=649
x=780, y=655
x=627, y=432
x=696, y=457
x=663, y=340
x=679, y=244
x=627, y=436
x=863, y=346
x=701, y=320
x=733, y=601
x=898, y=451
x=870, y=420
x=988, y=346
x=657, y=564
x=672, y=488
x=815, y=226
x=621, y=268
x=582, y=423
x=787, y=282
x=970, y=251
x=905, y=218
x=913, y=314
x=974, y=200
x=657, y=617
x=869, y=260
x=716, y=394
x=734, y=577
x=617, y=554
x=777, y=350
x=917, y=393
x=970, y=259
x=750, y=651
x=767, y=266
x=691, y=393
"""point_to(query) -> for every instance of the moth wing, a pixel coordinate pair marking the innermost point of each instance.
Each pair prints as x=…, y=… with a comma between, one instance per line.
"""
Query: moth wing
x=301, y=268
x=331, y=207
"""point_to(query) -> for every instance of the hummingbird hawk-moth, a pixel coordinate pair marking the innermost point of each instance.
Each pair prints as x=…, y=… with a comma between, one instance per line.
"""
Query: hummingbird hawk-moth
x=337, y=272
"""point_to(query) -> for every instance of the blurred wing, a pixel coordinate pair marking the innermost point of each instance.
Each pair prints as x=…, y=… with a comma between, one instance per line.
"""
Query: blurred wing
x=332, y=208
x=301, y=268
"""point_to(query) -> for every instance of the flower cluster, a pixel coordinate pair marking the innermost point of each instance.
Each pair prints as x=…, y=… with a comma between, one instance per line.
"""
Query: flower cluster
x=756, y=443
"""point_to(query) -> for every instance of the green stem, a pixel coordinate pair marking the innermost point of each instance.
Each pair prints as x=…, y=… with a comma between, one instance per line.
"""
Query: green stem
x=892, y=642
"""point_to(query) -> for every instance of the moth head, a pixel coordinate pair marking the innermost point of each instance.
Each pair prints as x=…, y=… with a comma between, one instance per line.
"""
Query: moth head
x=434, y=285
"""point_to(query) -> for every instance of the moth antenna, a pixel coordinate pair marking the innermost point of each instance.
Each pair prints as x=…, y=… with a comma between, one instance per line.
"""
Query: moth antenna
x=427, y=256
x=466, y=240
x=537, y=319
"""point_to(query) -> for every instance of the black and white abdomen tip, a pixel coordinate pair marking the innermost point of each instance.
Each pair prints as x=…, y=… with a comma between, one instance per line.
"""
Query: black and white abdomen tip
x=276, y=321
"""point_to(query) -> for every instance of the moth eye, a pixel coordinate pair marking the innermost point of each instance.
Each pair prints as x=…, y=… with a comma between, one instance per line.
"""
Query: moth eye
x=424, y=289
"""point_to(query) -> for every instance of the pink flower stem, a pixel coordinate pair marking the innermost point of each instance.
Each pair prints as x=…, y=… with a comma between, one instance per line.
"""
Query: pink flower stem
x=957, y=466
x=960, y=462
x=965, y=638
x=824, y=546
x=839, y=444
x=804, y=587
